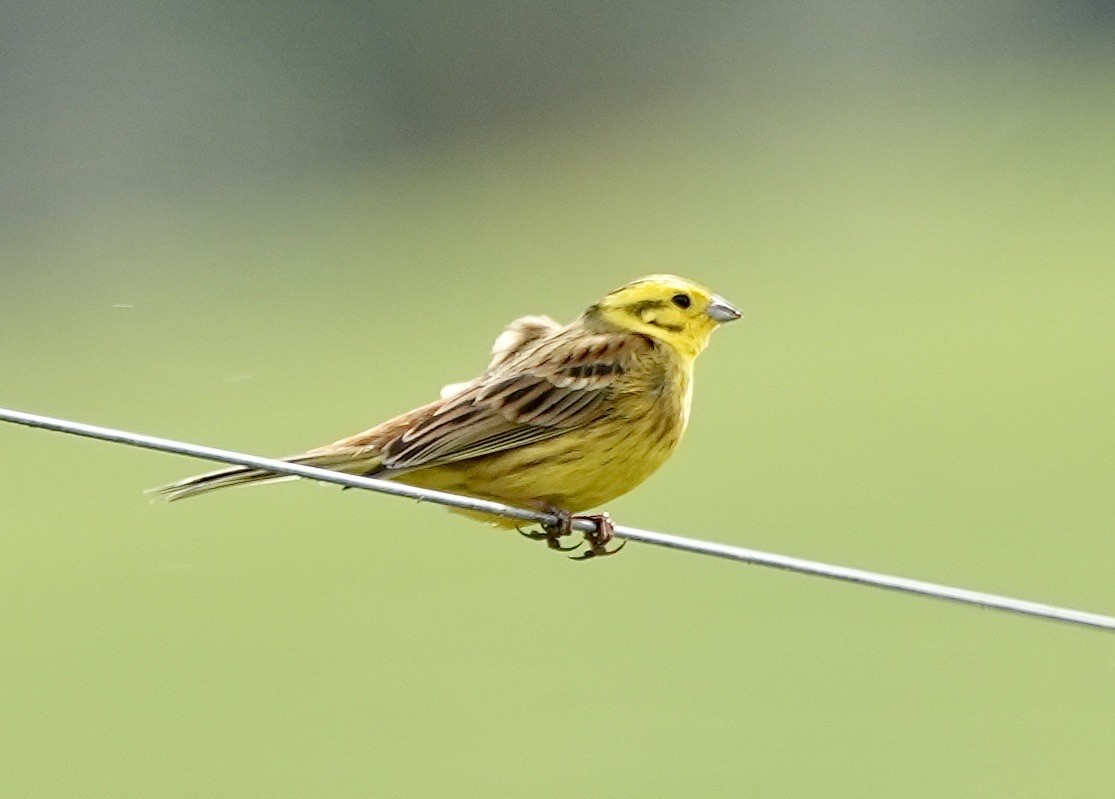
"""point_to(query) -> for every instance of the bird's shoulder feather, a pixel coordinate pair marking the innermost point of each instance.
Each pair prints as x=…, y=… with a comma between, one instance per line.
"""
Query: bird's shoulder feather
x=514, y=339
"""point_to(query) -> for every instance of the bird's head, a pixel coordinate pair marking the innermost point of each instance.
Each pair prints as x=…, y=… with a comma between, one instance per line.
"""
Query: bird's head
x=668, y=308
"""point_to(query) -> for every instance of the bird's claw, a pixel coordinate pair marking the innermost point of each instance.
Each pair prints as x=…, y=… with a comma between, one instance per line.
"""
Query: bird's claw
x=560, y=548
x=600, y=553
x=562, y=525
x=598, y=539
x=552, y=539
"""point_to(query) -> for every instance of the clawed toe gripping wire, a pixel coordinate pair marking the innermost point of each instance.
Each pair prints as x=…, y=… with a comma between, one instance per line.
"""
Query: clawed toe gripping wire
x=560, y=524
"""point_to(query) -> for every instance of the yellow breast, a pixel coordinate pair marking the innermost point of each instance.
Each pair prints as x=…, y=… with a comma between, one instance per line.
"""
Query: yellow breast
x=586, y=467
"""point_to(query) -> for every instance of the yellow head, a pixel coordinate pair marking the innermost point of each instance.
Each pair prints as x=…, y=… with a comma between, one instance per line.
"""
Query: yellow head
x=668, y=308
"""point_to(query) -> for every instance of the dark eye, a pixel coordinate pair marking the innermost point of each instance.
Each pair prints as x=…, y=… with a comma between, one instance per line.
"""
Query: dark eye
x=681, y=300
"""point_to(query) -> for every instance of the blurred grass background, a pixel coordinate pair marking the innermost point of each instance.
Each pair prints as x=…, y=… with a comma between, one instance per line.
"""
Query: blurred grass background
x=267, y=228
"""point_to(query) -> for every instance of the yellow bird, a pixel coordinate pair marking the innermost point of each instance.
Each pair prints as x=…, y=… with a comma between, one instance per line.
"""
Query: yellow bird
x=565, y=418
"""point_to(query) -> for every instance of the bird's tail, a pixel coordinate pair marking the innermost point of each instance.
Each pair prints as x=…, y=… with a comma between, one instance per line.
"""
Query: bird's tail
x=353, y=460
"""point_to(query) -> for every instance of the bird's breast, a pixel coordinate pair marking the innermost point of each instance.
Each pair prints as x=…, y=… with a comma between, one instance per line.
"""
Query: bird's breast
x=586, y=466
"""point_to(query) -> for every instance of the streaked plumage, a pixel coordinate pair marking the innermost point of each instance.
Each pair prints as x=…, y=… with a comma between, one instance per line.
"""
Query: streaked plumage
x=564, y=417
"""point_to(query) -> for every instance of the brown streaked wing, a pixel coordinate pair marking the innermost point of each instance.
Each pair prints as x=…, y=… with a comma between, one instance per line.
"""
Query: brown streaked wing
x=562, y=384
x=519, y=336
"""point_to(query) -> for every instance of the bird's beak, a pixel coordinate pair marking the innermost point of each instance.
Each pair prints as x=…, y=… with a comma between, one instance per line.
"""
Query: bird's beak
x=722, y=311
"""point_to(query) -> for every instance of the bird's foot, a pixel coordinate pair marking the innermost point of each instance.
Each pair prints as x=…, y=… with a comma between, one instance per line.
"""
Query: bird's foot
x=562, y=526
x=598, y=539
x=553, y=532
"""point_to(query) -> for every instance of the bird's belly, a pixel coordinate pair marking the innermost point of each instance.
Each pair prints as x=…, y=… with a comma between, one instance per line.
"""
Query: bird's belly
x=576, y=471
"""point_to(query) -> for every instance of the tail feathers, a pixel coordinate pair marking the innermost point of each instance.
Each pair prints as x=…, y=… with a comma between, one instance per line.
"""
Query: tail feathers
x=351, y=460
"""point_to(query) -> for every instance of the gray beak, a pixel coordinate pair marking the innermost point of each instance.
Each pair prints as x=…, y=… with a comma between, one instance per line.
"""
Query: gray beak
x=721, y=310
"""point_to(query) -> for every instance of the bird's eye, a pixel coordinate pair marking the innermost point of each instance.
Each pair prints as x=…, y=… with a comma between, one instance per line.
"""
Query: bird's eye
x=681, y=300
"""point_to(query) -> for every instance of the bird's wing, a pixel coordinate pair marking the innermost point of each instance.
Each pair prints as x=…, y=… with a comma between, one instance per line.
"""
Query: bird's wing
x=518, y=336
x=512, y=341
x=556, y=384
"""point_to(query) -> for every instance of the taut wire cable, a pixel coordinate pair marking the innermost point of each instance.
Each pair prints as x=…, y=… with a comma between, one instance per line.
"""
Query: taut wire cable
x=752, y=556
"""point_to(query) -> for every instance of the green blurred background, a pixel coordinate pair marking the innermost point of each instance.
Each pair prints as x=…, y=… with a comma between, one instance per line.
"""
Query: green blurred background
x=267, y=226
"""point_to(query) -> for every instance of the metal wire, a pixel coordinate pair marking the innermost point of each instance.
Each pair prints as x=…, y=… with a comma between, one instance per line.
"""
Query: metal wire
x=756, y=557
